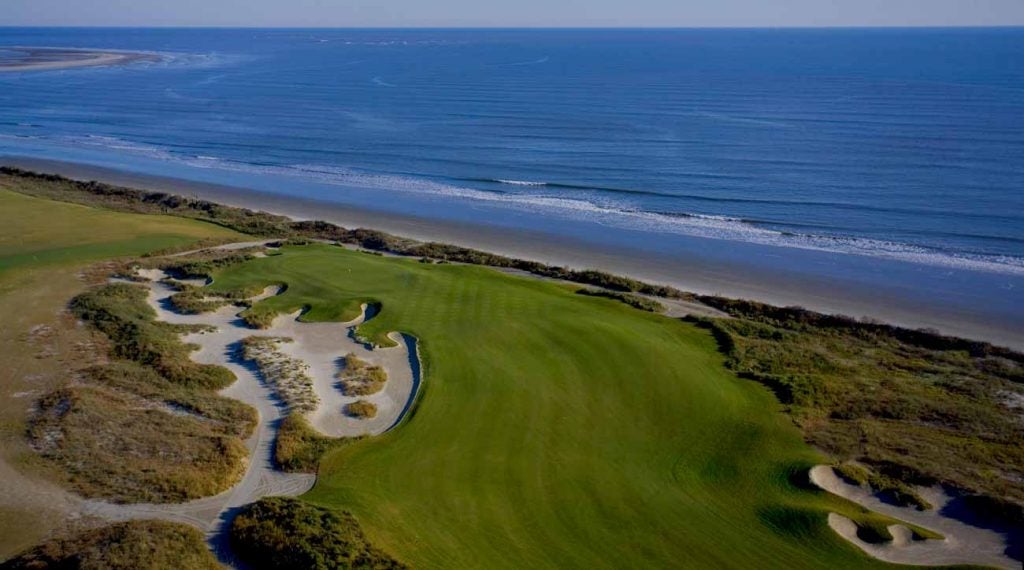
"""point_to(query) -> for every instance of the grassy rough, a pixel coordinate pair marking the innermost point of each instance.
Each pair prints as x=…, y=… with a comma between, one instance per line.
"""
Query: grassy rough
x=136, y=545
x=360, y=378
x=119, y=310
x=299, y=447
x=283, y=534
x=894, y=489
x=915, y=407
x=114, y=446
x=147, y=426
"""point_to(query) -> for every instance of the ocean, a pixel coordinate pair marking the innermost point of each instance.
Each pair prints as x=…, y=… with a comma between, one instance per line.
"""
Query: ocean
x=890, y=156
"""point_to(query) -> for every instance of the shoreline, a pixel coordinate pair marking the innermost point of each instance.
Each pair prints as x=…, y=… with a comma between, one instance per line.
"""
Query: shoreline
x=51, y=58
x=694, y=273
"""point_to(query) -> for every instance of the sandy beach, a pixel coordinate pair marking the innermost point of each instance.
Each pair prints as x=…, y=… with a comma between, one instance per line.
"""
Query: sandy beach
x=18, y=58
x=908, y=306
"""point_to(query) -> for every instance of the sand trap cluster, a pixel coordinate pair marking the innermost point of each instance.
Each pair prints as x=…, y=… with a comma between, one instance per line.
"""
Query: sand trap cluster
x=963, y=543
x=303, y=371
x=319, y=351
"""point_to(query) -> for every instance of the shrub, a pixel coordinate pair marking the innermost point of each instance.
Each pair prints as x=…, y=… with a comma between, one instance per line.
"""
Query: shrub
x=359, y=378
x=361, y=409
x=299, y=447
x=148, y=425
x=135, y=545
x=280, y=533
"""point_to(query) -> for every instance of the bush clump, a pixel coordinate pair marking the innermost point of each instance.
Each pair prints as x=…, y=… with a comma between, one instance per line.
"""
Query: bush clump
x=134, y=545
x=361, y=409
x=360, y=378
x=279, y=533
x=299, y=447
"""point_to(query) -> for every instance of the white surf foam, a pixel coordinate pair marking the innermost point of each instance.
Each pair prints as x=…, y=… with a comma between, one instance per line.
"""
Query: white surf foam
x=608, y=212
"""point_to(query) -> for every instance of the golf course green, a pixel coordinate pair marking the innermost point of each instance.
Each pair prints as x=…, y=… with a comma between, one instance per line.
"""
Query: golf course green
x=557, y=430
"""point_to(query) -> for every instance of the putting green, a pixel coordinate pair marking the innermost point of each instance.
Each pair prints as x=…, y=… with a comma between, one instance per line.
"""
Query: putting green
x=555, y=430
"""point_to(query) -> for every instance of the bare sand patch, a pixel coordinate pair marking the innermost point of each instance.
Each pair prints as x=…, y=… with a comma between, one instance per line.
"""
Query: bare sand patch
x=963, y=543
x=20, y=58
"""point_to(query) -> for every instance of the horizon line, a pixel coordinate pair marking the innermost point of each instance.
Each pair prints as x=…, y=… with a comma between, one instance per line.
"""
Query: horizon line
x=511, y=28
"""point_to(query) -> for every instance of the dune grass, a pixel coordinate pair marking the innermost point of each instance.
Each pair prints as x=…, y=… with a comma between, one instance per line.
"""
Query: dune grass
x=360, y=378
x=555, y=430
x=43, y=247
x=280, y=533
x=912, y=408
x=135, y=545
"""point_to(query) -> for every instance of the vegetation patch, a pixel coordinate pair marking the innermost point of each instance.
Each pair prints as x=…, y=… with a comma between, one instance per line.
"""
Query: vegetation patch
x=288, y=376
x=361, y=409
x=119, y=310
x=148, y=425
x=360, y=378
x=124, y=449
x=642, y=303
x=915, y=407
x=135, y=545
x=259, y=317
x=892, y=489
x=299, y=447
x=192, y=300
x=280, y=533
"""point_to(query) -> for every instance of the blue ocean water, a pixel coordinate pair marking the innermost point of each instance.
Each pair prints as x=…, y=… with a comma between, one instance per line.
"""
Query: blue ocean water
x=903, y=145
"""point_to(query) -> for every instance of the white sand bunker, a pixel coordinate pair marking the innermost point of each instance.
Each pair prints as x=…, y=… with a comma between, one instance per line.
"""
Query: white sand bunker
x=963, y=543
x=319, y=347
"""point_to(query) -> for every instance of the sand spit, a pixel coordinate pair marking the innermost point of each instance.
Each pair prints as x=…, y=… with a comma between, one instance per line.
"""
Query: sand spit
x=963, y=543
x=321, y=346
x=20, y=58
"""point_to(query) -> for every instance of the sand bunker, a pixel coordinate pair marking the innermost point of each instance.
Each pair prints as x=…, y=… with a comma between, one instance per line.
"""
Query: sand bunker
x=963, y=543
x=322, y=347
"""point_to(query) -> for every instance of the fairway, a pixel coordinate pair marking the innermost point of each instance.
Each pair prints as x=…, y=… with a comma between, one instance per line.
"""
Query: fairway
x=39, y=232
x=556, y=430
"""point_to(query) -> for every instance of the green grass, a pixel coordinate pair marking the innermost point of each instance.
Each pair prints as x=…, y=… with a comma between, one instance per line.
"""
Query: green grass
x=40, y=232
x=555, y=430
